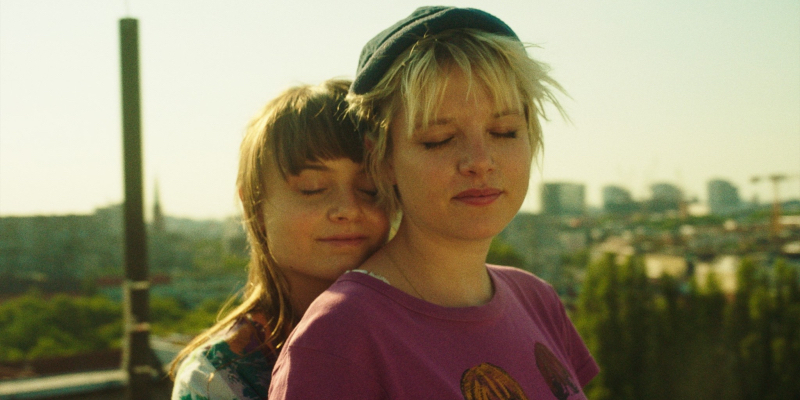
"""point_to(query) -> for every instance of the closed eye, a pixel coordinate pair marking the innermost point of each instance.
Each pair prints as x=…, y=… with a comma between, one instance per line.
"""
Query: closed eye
x=311, y=192
x=505, y=135
x=433, y=145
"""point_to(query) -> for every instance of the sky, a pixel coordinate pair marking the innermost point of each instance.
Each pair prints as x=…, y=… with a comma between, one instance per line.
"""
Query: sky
x=679, y=92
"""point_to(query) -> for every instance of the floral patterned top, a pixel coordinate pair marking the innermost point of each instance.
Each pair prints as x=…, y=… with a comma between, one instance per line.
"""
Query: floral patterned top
x=231, y=365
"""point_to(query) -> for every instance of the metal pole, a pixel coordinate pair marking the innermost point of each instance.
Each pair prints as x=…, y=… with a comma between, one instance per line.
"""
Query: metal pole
x=136, y=351
x=775, y=218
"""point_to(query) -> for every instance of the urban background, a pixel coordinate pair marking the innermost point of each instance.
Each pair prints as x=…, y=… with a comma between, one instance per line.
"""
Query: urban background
x=676, y=297
x=673, y=303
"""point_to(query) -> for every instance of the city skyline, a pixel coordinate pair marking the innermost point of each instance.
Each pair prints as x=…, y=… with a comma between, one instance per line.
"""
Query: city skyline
x=609, y=194
x=681, y=93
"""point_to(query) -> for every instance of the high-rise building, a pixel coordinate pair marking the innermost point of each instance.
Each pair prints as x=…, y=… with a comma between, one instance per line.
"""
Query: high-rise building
x=617, y=200
x=723, y=197
x=563, y=199
x=666, y=197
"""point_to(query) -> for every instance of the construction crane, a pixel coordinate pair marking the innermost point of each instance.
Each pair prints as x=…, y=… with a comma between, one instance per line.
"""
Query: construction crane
x=775, y=218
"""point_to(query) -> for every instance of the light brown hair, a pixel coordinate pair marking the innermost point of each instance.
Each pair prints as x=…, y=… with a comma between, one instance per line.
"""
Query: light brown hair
x=302, y=125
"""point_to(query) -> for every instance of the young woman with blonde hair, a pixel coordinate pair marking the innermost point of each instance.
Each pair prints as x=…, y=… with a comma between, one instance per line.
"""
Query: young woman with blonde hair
x=452, y=104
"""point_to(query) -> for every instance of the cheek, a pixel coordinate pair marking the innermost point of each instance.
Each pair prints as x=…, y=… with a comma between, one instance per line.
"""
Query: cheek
x=277, y=238
x=417, y=165
x=287, y=232
x=518, y=168
x=524, y=160
x=410, y=178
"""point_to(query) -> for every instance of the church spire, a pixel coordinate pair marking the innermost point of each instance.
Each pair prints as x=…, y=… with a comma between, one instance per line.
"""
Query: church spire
x=158, y=215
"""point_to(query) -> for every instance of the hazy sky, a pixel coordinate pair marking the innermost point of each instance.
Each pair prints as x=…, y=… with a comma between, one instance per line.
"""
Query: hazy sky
x=679, y=91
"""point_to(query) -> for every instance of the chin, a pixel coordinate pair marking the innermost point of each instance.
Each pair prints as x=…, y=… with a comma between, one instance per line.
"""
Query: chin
x=472, y=233
x=486, y=228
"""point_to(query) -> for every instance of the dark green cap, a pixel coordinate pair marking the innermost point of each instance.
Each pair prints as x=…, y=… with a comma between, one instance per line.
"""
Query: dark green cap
x=380, y=52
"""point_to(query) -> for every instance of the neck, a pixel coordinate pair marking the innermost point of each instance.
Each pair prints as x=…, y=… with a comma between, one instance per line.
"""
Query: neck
x=445, y=272
x=303, y=291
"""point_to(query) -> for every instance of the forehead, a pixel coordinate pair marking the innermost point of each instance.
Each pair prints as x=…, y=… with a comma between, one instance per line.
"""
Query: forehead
x=454, y=91
x=460, y=92
x=336, y=164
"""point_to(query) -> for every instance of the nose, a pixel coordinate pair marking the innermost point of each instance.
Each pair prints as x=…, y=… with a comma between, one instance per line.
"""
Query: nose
x=476, y=157
x=345, y=206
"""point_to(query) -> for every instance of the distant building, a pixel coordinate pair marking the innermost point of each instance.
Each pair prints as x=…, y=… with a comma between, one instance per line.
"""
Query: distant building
x=666, y=197
x=723, y=197
x=724, y=269
x=563, y=199
x=63, y=253
x=656, y=265
x=617, y=200
x=55, y=251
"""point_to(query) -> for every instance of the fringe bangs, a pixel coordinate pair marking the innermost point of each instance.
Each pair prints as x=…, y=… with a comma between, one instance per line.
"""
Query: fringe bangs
x=313, y=126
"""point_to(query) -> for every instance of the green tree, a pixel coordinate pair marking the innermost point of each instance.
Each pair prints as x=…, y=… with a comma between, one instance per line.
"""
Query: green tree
x=671, y=339
x=635, y=307
x=666, y=355
x=741, y=340
x=32, y=326
x=597, y=319
x=166, y=314
x=703, y=349
x=785, y=343
x=200, y=318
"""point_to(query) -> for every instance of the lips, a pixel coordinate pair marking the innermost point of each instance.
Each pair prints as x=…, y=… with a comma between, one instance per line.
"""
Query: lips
x=344, y=240
x=478, y=197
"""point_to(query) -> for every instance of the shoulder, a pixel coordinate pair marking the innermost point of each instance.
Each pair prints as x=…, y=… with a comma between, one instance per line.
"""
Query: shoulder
x=539, y=300
x=353, y=292
x=335, y=346
x=232, y=364
x=521, y=281
x=347, y=321
x=350, y=298
x=533, y=295
x=196, y=379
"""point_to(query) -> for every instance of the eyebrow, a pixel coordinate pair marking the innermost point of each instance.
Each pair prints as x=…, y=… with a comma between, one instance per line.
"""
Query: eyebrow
x=313, y=167
x=508, y=112
x=322, y=167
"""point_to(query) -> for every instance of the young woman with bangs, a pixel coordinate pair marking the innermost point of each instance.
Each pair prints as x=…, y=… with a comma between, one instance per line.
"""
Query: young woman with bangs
x=310, y=213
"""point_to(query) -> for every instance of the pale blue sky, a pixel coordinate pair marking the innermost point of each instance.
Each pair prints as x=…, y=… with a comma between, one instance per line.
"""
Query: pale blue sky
x=680, y=91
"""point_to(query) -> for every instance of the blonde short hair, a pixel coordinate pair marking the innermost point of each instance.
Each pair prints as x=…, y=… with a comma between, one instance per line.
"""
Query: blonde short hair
x=416, y=81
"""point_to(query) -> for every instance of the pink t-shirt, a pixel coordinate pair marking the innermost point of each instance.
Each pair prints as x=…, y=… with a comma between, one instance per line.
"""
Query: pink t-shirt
x=365, y=339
